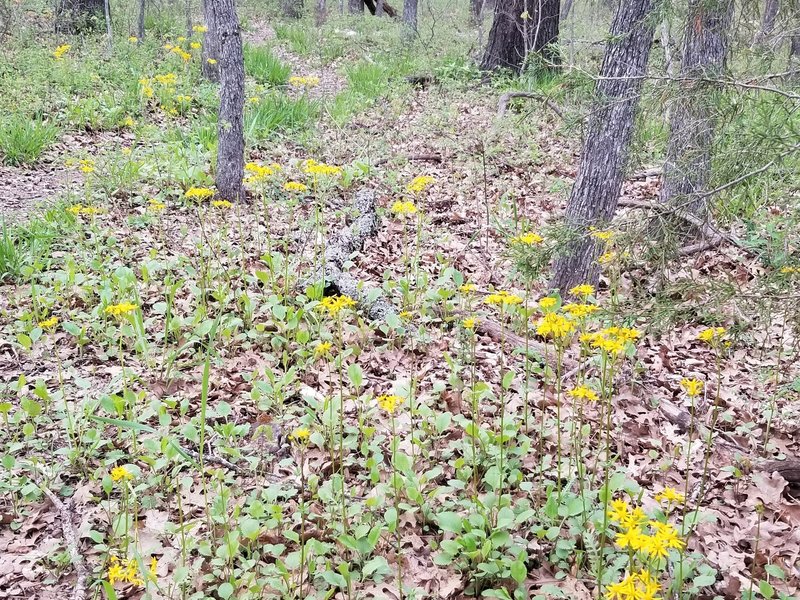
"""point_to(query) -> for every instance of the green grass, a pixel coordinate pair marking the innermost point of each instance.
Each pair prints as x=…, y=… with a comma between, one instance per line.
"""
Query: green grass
x=278, y=113
x=371, y=80
x=299, y=38
x=263, y=66
x=23, y=248
x=23, y=140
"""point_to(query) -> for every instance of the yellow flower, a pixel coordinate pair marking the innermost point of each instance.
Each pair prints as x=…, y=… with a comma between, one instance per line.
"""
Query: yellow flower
x=148, y=91
x=128, y=122
x=196, y=193
x=196, y=45
x=119, y=473
x=48, y=323
x=693, y=387
x=503, y=298
x=75, y=209
x=118, y=310
x=467, y=288
x=607, y=258
x=547, y=302
x=153, y=567
x=181, y=38
x=602, y=235
x=307, y=81
x=199, y=28
x=670, y=495
x=584, y=393
x=632, y=538
x=634, y=518
x=155, y=205
x=301, y=435
x=636, y=586
x=322, y=349
x=406, y=315
x=313, y=167
x=183, y=99
x=389, y=403
x=618, y=510
x=583, y=290
x=211, y=61
x=133, y=39
x=59, y=52
x=555, y=326
x=712, y=335
x=579, y=311
x=124, y=572
x=401, y=208
x=167, y=46
x=469, y=323
x=168, y=79
x=254, y=100
x=86, y=165
x=420, y=183
x=334, y=304
x=528, y=239
x=221, y=204
x=295, y=186
x=790, y=270
x=655, y=546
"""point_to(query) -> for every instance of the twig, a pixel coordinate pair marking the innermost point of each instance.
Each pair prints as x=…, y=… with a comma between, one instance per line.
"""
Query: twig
x=71, y=540
x=437, y=158
x=502, y=105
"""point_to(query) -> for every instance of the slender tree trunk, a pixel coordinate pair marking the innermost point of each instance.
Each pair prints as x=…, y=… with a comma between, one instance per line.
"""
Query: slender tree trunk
x=293, y=9
x=768, y=18
x=692, y=123
x=410, y=13
x=230, y=148
x=379, y=12
x=189, y=22
x=356, y=6
x=140, y=23
x=210, y=52
x=566, y=9
x=109, y=30
x=666, y=44
x=605, y=150
x=73, y=16
x=321, y=12
x=476, y=11
x=519, y=28
x=794, y=49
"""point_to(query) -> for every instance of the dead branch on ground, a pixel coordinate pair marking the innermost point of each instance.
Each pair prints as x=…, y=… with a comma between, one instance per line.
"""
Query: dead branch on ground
x=65, y=511
x=502, y=105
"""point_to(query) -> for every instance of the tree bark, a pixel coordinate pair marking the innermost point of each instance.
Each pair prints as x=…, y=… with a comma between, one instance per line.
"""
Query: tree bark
x=109, y=30
x=692, y=124
x=410, y=13
x=140, y=22
x=73, y=16
x=594, y=196
x=356, y=6
x=230, y=148
x=210, y=51
x=379, y=12
x=189, y=22
x=476, y=11
x=566, y=9
x=519, y=28
x=292, y=9
x=320, y=12
x=768, y=18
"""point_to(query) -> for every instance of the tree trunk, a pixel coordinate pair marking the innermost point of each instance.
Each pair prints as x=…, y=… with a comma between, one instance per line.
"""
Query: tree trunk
x=356, y=6
x=321, y=12
x=476, y=11
x=210, y=51
x=73, y=16
x=109, y=30
x=292, y=9
x=189, y=22
x=379, y=12
x=605, y=150
x=566, y=9
x=794, y=50
x=230, y=148
x=410, y=13
x=519, y=28
x=692, y=123
x=768, y=18
x=140, y=23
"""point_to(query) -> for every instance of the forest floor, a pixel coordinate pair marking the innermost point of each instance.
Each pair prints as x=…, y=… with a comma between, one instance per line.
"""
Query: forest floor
x=195, y=273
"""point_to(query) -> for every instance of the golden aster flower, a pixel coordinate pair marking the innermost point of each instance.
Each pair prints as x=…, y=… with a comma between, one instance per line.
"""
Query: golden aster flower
x=603, y=235
x=548, y=302
x=133, y=39
x=167, y=46
x=75, y=209
x=503, y=298
x=224, y=204
x=198, y=193
x=555, y=326
x=712, y=335
x=322, y=349
x=406, y=315
x=211, y=61
x=584, y=393
x=618, y=510
x=120, y=473
x=582, y=290
x=634, y=518
x=632, y=538
x=199, y=28
x=389, y=403
x=167, y=79
x=59, y=52
x=118, y=310
x=155, y=205
x=335, y=304
x=313, y=167
x=254, y=100
x=467, y=288
x=527, y=239
x=301, y=435
x=580, y=311
x=48, y=323
x=196, y=45
x=655, y=546
x=670, y=495
x=420, y=183
x=295, y=186
x=401, y=208
x=607, y=258
x=307, y=81
x=790, y=270
x=469, y=323
x=693, y=387
x=181, y=38
x=86, y=165
x=123, y=572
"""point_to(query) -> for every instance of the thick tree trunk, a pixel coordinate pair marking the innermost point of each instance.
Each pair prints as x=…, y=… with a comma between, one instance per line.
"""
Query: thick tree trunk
x=356, y=6
x=292, y=9
x=140, y=22
x=210, y=52
x=705, y=47
x=794, y=49
x=230, y=148
x=605, y=150
x=73, y=16
x=410, y=13
x=768, y=18
x=519, y=28
x=379, y=11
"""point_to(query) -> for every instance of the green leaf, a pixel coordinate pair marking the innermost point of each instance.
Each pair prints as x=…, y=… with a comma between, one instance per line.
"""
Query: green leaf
x=111, y=594
x=775, y=571
x=518, y=571
x=704, y=580
x=225, y=590
x=356, y=375
x=766, y=589
x=508, y=379
x=25, y=341
x=450, y=521
x=123, y=424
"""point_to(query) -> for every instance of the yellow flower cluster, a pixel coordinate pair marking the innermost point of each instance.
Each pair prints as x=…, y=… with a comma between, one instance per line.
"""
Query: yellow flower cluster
x=693, y=387
x=301, y=435
x=181, y=99
x=120, y=473
x=133, y=39
x=467, y=288
x=196, y=45
x=221, y=204
x=671, y=495
x=180, y=52
x=86, y=165
x=199, y=28
x=167, y=79
x=582, y=290
x=503, y=298
x=198, y=193
x=80, y=209
x=611, y=340
x=295, y=186
x=420, y=183
x=583, y=393
x=580, y=311
x=155, y=205
x=790, y=270
x=389, y=403
x=335, y=304
x=555, y=326
x=307, y=81
x=469, y=323
x=712, y=335
x=636, y=586
x=604, y=235
x=322, y=349
x=126, y=571
x=401, y=208
x=59, y=52
x=527, y=239
x=118, y=310
x=548, y=303
x=313, y=167
x=48, y=323
x=637, y=533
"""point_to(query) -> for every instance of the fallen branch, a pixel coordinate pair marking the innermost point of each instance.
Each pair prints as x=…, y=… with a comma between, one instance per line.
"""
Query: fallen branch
x=348, y=241
x=502, y=105
x=645, y=173
x=788, y=469
x=437, y=158
x=65, y=511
